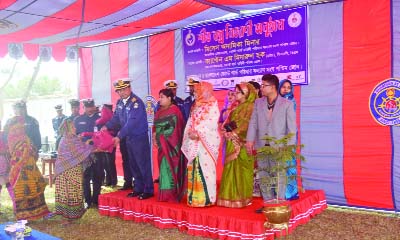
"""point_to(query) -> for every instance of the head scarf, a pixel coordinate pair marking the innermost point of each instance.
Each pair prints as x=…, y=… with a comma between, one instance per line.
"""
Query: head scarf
x=204, y=93
x=19, y=146
x=288, y=95
x=249, y=91
x=71, y=151
x=66, y=127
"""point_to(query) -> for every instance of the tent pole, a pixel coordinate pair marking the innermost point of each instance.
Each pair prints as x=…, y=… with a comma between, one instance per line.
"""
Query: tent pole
x=223, y=7
x=35, y=73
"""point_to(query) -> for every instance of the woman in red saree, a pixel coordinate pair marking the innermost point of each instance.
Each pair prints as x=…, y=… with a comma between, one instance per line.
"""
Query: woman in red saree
x=168, y=130
x=25, y=178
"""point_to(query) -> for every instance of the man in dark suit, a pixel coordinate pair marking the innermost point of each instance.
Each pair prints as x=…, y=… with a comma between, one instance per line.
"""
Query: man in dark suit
x=130, y=119
x=86, y=123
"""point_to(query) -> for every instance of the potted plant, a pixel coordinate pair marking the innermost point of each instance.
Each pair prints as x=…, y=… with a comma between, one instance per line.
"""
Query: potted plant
x=279, y=153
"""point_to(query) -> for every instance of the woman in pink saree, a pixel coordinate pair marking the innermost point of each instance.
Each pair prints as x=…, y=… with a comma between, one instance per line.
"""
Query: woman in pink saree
x=201, y=142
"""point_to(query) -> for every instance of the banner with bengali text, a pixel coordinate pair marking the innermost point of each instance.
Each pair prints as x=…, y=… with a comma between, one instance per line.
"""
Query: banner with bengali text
x=232, y=51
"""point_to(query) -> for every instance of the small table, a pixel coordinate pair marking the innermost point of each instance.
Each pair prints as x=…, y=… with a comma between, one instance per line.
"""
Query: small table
x=51, y=162
x=34, y=235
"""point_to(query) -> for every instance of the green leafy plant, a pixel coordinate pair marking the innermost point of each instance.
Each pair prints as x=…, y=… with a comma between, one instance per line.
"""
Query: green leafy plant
x=280, y=153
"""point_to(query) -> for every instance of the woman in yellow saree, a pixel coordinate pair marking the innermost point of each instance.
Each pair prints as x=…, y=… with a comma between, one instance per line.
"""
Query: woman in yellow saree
x=25, y=178
x=236, y=188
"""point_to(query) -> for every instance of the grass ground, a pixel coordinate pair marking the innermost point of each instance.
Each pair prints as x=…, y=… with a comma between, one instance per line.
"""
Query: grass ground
x=333, y=223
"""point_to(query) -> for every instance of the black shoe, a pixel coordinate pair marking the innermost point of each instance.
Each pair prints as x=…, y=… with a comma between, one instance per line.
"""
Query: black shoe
x=134, y=194
x=125, y=188
x=260, y=210
x=145, y=196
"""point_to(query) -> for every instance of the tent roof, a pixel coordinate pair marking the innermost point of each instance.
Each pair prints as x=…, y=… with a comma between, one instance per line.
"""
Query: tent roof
x=64, y=23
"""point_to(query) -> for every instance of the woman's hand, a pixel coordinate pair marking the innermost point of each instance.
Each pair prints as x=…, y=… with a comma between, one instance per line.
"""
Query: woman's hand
x=116, y=141
x=250, y=147
x=154, y=140
x=193, y=135
x=227, y=135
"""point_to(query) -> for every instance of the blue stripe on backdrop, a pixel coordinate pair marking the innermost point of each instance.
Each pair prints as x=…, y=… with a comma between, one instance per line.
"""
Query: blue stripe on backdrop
x=396, y=130
x=138, y=66
x=101, y=87
x=179, y=66
x=321, y=103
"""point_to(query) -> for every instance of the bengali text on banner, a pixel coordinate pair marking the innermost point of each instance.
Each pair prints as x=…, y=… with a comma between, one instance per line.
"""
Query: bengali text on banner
x=228, y=52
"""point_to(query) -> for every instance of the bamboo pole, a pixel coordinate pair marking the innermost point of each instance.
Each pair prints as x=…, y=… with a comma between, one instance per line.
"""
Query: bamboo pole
x=35, y=73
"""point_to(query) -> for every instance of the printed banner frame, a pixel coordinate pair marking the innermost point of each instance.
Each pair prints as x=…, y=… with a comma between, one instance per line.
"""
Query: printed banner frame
x=227, y=52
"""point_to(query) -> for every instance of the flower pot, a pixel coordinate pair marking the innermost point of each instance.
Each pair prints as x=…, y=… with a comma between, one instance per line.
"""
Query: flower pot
x=277, y=216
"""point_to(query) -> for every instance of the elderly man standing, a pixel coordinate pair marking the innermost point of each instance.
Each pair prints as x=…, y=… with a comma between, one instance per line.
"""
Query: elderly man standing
x=131, y=120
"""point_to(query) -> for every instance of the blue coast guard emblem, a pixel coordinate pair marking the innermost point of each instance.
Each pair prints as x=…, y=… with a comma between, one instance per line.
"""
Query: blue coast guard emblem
x=190, y=38
x=151, y=104
x=384, y=102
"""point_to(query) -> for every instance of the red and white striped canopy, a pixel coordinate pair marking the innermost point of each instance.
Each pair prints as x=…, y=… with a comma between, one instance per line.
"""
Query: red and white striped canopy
x=59, y=24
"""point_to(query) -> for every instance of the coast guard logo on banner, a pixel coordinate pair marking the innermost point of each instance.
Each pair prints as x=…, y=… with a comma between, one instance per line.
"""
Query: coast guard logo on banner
x=190, y=38
x=151, y=104
x=384, y=102
x=294, y=19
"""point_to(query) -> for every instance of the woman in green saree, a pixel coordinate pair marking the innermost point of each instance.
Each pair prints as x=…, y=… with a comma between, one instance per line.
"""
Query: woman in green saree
x=236, y=188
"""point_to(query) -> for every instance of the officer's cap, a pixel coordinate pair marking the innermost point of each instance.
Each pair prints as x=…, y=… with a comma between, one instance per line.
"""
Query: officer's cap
x=58, y=107
x=89, y=102
x=74, y=102
x=19, y=104
x=122, y=83
x=170, y=84
x=192, y=80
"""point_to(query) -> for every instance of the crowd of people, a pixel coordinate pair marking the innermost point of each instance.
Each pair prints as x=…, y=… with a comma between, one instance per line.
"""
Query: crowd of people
x=187, y=134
